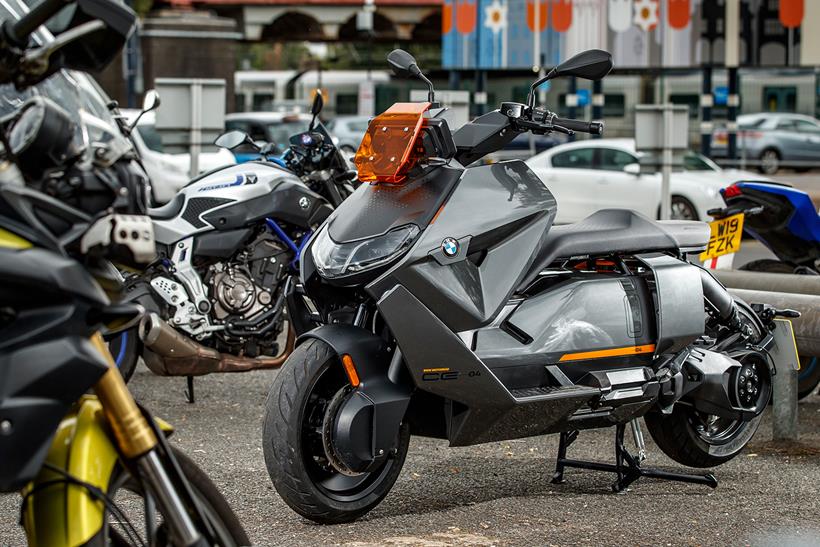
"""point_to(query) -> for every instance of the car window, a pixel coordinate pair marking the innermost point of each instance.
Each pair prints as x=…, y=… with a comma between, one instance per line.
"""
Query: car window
x=152, y=138
x=280, y=133
x=577, y=158
x=696, y=162
x=786, y=125
x=614, y=160
x=805, y=126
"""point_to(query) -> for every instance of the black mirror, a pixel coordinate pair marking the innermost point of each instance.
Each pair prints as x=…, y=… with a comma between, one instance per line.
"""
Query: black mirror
x=96, y=50
x=232, y=139
x=592, y=64
x=403, y=64
x=318, y=103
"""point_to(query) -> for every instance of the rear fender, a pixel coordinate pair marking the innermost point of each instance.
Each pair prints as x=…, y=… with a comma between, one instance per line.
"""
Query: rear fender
x=369, y=418
x=61, y=514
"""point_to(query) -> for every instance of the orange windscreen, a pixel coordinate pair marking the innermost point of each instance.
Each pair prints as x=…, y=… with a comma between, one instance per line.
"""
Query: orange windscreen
x=388, y=149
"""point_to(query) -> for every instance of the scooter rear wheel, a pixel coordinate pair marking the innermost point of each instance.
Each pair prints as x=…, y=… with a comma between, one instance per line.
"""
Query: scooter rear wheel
x=302, y=471
x=696, y=439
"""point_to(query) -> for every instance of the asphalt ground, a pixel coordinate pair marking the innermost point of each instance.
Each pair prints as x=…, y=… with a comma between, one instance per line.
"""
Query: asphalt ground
x=497, y=493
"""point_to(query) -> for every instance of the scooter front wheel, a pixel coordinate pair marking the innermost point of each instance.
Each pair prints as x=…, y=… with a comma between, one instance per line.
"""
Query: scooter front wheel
x=296, y=411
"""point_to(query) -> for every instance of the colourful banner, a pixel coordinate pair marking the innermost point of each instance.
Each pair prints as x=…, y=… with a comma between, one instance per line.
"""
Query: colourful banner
x=521, y=34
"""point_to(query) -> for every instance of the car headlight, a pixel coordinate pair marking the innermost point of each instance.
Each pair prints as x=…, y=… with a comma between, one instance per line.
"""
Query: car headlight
x=339, y=259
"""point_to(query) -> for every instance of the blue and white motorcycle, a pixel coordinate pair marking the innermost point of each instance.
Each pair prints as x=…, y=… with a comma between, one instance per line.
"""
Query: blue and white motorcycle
x=228, y=244
x=783, y=219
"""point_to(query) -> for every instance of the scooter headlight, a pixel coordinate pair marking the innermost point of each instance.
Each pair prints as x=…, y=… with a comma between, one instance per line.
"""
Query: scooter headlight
x=340, y=259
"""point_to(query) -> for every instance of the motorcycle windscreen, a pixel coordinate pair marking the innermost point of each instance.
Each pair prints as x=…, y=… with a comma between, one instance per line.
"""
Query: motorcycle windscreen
x=391, y=147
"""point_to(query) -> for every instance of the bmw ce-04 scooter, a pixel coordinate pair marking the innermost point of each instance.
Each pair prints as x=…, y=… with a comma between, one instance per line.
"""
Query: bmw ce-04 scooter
x=452, y=308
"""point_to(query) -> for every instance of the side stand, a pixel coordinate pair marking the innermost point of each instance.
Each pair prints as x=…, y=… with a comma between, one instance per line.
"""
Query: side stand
x=189, y=391
x=627, y=468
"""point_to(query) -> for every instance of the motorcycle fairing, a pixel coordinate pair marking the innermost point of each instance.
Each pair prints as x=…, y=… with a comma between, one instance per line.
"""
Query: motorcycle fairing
x=505, y=210
x=789, y=225
x=236, y=196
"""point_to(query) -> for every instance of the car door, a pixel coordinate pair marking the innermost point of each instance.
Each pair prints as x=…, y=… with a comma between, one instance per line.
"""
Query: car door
x=787, y=140
x=617, y=188
x=808, y=141
x=570, y=176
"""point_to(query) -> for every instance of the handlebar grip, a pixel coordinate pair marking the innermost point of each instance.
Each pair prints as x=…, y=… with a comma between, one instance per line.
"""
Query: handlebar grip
x=593, y=128
x=19, y=31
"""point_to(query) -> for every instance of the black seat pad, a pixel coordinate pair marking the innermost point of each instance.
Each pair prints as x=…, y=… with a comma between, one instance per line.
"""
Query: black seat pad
x=616, y=231
x=169, y=210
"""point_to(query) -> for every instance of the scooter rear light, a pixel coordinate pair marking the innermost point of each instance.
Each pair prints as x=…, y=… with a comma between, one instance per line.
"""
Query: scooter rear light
x=389, y=147
x=731, y=191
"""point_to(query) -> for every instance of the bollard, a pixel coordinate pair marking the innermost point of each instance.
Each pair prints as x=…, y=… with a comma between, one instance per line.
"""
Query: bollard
x=784, y=405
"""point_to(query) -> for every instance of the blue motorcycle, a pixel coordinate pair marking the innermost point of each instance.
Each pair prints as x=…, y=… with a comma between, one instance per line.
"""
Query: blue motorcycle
x=784, y=220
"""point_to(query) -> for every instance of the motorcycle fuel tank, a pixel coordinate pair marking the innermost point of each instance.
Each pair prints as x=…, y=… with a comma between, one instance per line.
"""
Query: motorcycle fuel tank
x=236, y=196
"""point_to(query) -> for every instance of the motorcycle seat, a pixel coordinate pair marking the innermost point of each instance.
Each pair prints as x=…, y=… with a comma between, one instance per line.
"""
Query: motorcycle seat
x=616, y=231
x=169, y=210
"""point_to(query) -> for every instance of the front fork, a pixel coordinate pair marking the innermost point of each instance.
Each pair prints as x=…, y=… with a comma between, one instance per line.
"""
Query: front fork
x=82, y=452
x=137, y=441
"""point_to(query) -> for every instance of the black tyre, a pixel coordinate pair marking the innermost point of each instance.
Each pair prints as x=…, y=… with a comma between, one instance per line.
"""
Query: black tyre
x=768, y=265
x=295, y=454
x=769, y=161
x=808, y=377
x=126, y=348
x=697, y=439
x=683, y=209
x=130, y=497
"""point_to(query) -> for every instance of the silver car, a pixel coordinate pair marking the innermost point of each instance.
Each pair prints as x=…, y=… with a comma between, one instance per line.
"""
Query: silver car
x=348, y=132
x=770, y=140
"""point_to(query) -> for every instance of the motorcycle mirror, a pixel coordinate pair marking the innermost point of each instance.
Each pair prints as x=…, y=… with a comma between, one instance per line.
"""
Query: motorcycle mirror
x=404, y=66
x=316, y=107
x=232, y=139
x=150, y=101
x=592, y=64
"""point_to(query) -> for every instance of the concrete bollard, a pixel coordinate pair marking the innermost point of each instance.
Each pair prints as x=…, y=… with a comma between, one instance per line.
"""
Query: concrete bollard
x=784, y=405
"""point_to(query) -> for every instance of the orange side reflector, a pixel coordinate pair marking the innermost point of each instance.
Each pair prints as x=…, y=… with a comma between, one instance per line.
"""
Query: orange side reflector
x=350, y=369
x=614, y=352
x=388, y=150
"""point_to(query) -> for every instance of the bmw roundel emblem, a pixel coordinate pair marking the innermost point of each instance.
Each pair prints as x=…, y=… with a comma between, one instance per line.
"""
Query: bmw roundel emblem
x=304, y=202
x=449, y=247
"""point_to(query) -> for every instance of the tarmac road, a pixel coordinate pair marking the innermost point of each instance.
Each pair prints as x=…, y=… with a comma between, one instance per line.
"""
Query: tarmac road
x=493, y=494
x=498, y=493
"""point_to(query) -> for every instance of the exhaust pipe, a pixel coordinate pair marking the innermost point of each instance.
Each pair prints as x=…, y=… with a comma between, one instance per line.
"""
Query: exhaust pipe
x=178, y=355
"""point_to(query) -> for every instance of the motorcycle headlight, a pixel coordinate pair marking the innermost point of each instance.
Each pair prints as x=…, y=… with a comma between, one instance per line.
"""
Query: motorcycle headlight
x=339, y=259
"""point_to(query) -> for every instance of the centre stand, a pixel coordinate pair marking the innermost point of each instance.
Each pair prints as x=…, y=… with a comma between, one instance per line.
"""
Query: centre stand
x=627, y=467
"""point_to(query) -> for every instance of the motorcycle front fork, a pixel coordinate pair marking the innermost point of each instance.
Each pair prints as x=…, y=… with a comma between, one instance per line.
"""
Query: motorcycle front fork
x=138, y=443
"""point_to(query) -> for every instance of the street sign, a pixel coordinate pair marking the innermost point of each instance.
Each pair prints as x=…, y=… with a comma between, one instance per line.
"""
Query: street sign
x=721, y=95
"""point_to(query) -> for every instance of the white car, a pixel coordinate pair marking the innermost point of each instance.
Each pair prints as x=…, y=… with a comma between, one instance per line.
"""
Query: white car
x=169, y=173
x=589, y=175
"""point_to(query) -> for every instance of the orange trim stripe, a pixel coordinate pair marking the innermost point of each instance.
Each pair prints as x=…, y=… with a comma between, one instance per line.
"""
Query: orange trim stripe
x=614, y=352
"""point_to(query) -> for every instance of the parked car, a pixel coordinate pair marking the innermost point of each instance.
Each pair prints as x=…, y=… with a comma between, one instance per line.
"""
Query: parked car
x=270, y=127
x=348, y=131
x=595, y=174
x=773, y=140
x=168, y=172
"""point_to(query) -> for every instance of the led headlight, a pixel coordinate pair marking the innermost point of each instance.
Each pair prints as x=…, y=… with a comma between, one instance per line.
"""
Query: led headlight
x=339, y=259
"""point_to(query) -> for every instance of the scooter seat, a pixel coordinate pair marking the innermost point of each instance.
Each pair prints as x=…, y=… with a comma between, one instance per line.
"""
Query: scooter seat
x=616, y=231
x=169, y=210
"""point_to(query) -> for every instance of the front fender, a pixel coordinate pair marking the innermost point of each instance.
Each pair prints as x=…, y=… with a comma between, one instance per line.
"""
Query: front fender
x=67, y=515
x=368, y=420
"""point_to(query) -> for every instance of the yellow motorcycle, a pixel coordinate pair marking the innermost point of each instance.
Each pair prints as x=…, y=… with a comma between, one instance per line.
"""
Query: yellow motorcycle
x=92, y=469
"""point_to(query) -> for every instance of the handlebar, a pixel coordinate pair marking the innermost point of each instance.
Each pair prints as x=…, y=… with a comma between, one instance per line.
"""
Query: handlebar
x=19, y=31
x=593, y=128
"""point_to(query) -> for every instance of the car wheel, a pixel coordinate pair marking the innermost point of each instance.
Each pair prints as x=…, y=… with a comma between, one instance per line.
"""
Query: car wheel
x=683, y=209
x=769, y=161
